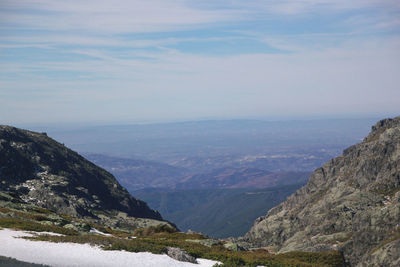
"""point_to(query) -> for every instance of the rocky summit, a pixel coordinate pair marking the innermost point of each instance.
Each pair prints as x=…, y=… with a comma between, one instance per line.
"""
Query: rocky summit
x=351, y=204
x=46, y=173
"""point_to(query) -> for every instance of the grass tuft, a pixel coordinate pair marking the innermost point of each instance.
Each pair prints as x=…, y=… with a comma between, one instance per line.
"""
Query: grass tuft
x=15, y=223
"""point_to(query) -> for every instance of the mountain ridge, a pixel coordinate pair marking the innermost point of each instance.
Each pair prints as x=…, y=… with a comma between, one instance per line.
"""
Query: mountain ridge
x=45, y=173
x=351, y=203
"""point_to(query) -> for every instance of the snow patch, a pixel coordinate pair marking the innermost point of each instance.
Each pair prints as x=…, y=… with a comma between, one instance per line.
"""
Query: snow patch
x=94, y=230
x=70, y=254
x=44, y=233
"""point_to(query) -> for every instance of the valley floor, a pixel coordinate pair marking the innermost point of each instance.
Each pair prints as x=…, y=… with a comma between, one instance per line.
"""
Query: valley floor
x=71, y=254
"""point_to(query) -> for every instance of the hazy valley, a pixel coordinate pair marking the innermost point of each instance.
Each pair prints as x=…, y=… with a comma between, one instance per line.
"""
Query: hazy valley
x=214, y=165
x=346, y=213
x=186, y=133
x=218, y=213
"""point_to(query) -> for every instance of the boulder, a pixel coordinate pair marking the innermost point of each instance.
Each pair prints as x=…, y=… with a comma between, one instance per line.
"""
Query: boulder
x=180, y=255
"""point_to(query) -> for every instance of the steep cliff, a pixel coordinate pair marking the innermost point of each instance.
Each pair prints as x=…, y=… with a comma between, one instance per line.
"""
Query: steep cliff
x=44, y=172
x=351, y=203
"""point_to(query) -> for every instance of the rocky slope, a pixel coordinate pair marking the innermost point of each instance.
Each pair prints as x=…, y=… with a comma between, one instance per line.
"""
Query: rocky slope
x=45, y=173
x=351, y=203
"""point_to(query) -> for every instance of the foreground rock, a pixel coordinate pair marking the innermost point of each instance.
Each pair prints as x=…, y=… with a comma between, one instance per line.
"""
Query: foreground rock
x=351, y=203
x=45, y=173
x=180, y=255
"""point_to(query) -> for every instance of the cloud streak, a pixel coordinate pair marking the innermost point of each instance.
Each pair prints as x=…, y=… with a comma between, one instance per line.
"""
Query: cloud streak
x=123, y=16
x=138, y=60
x=106, y=16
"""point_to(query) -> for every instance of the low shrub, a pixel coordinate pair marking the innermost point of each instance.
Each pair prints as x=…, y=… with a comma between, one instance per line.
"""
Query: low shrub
x=15, y=223
x=41, y=210
x=154, y=230
x=156, y=239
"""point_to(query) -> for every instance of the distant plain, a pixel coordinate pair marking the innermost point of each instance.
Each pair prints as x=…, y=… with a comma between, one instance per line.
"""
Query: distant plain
x=213, y=169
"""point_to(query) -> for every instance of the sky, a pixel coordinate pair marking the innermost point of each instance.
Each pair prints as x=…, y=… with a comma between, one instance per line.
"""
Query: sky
x=164, y=60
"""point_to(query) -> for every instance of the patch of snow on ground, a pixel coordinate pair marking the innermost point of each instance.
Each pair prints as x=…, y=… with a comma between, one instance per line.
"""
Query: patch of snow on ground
x=94, y=230
x=70, y=254
x=44, y=233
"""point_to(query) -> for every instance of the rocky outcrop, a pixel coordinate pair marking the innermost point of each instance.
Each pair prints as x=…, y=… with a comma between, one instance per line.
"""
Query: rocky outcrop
x=351, y=203
x=180, y=255
x=45, y=173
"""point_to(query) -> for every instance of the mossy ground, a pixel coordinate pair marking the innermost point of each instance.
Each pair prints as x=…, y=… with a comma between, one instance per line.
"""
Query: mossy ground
x=153, y=239
x=156, y=242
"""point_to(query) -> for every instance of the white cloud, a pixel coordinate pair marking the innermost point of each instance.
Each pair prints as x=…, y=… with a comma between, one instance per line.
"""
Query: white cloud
x=108, y=16
x=123, y=16
x=352, y=78
x=342, y=70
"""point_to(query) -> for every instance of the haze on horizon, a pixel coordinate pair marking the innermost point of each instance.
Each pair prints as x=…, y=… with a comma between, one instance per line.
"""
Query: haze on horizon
x=129, y=61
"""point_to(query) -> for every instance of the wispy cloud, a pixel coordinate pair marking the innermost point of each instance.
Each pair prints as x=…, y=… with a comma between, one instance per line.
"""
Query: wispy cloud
x=181, y=58
x=107, y=16
x=123, y=16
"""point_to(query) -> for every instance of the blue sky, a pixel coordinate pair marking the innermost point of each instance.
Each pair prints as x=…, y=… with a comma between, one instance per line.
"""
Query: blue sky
x=130, y=61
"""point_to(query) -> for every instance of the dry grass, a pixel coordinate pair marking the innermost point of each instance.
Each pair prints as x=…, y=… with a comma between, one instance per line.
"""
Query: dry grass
x=156, y=242
x=19, y=224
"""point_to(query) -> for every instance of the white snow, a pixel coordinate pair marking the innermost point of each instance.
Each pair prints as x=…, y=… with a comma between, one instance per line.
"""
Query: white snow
x=45, y=233
x=94, y=230
x=70, y=254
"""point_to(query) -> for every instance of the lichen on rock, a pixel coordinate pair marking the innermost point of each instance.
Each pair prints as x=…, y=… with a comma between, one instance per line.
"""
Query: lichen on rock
x=351, y=204
x=45, y=173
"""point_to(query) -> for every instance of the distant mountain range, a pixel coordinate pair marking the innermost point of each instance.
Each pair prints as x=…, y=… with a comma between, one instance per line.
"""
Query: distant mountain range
x=219, y=203
x=241, y=178
x=136, y=174
x=140, y=174
x=203, y=146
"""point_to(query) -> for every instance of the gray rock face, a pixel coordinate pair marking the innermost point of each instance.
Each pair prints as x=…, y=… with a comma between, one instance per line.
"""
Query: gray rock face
x=48, y=174
x=351, y=203
x=180, y=255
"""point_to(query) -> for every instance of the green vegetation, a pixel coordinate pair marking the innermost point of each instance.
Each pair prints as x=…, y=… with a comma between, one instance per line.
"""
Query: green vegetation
x=156, y=242
x=153, y=230
x=15, y=223
x=153, y=239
